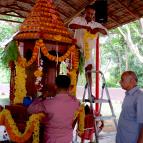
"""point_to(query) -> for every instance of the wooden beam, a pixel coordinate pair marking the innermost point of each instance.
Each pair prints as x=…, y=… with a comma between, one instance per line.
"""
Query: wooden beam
x=127, y=9
x=27, y=1
x=79, y=12
x=114, y=20
x=19, y=7
x=13, y=15
x=62, y=12
x=10, y=20
x=69, y=19
x=13, y=8
x=8, y=13
x=69, y=5
x=20, y=16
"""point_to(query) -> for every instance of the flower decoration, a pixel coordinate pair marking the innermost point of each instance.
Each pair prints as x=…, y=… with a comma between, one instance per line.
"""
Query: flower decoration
x=87, y=50
x=22, y=61
x=20, y=84
x=38, y=74
x=40, y=44
x=32, y=127
x=72, y=53
x=80, y=116
x=73, y=77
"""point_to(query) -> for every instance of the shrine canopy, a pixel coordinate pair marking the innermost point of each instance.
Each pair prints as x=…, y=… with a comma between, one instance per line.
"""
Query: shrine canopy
x=119, y=12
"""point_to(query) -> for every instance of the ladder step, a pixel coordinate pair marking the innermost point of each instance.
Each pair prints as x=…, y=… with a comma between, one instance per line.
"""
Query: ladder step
x=105, y=118
x=87, y=100
x=102, y=101
x=98, y=101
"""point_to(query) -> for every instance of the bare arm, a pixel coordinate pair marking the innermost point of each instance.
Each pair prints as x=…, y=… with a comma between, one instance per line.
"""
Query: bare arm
x=77, y=26
x=100, y=30
x=92, y=31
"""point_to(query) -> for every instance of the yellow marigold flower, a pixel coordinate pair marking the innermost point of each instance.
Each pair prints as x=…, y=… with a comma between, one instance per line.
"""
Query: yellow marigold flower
x=58, y=37
x=38, y=73
x=20, y=84
x=32, y=127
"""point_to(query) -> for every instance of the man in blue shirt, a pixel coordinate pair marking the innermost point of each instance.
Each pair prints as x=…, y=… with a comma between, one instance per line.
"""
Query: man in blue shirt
x=131, y=117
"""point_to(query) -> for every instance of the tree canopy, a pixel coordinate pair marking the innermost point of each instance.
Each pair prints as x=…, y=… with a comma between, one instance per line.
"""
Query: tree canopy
x=123, y=51
x=7, y=29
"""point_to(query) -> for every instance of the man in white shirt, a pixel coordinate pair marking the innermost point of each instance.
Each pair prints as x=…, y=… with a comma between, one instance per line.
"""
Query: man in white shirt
x=81, y=25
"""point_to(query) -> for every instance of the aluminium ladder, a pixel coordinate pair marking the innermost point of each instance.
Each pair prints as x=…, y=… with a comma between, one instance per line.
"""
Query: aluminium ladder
x=99, y=101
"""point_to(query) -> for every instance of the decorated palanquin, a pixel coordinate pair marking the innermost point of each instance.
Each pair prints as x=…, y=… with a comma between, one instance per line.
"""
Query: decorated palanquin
x=42, y=43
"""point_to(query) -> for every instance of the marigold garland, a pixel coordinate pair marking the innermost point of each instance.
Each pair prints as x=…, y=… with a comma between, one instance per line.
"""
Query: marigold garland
x=75, y=58
x=73, y=77
x=54, y=58
x=41, y=44
x=87, y=50
x=22, y=61
x=38, y=74
x=71, y=51
x=80, y=115
x=32, y=126
x=73, y=72
x=20, y=84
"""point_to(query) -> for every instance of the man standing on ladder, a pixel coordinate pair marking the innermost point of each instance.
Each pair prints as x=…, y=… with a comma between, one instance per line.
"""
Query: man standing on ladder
x=86, y=32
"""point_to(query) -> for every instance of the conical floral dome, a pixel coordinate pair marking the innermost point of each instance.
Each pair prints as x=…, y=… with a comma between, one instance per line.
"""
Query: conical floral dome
x=44, y=22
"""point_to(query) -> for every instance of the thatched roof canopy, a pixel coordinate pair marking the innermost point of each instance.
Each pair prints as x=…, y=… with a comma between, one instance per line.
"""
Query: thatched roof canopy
x=119, y=11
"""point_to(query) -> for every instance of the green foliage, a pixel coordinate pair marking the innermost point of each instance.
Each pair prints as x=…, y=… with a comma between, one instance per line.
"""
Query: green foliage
x=7, y=30
x=81, y=79
x=120, y=55
x=10, y=53
x=5, y=73
x=117, y=57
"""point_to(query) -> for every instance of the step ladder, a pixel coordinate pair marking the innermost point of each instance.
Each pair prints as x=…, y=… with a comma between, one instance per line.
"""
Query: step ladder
x=100, y=101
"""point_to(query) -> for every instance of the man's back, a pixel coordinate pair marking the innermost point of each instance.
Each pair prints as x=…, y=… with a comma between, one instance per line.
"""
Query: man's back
x=61, y=108
x=60, y=113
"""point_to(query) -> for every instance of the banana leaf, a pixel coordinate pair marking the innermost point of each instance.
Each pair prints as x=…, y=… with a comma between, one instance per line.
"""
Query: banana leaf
x=10, y=53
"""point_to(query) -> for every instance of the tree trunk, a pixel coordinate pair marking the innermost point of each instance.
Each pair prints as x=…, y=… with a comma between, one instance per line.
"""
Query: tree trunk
x=126, y=54
x=133, y=47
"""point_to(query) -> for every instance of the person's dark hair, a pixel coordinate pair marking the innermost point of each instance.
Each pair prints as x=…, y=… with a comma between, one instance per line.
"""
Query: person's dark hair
x=63, y=81
x=89, y=7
